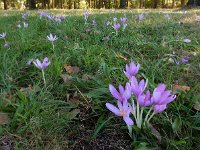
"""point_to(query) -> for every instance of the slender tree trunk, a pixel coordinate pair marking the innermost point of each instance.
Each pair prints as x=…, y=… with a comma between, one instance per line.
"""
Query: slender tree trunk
x=155, y=4
x=5, y=4
x=122, y=4
x=32, y=4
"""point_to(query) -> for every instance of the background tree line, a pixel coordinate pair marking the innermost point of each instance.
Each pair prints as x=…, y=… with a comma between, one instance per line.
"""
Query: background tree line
x=96, y=4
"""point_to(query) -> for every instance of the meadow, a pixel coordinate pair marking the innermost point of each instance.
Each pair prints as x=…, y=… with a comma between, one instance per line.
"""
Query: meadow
x=87, y=53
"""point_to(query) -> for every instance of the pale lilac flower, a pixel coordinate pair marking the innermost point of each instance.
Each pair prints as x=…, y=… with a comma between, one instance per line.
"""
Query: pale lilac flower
x=138, y=88
x=94, y=23
x=108, y=23
x=25, y=24
x=197, y=18
x=124, y=26
x=123, y=20
x=144, y=99
x=52, y=38
x=115, y=19
x=2, y=36
x=6, y=45
x=19, y=26
x=131, y=70
x=124, y=109
x=87, y=30
x=116, y=26
x=141, y=17
x=161, y=96
x=29, y=62
x=123, y=94
x=42, y=65
x=86, y=14
x=185, y=59
x=186, y=40
x=24, y=15
x=168, y=16
x=159, y=108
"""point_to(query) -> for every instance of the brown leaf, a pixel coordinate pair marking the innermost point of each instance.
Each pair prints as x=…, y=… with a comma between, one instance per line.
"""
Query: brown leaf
x=72, y=114
x=181, y=88
x=4, y=118
x=155, y=133
x=197, y=105
x=66, y=78
x=121, y=56
x=87, y=77
x=71, y=69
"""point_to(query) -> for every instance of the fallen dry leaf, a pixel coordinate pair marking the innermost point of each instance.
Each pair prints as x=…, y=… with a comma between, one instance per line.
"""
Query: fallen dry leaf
x=4, y=118
x=71, y=69
x=155, y=133
x=181, y=88
x=121, y=56
x=197, y=105
x=72, y=114
x=66, y=78
x=87, y=77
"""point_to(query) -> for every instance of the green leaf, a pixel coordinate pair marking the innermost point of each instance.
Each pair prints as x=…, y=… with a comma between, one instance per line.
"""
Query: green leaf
x=176, y=125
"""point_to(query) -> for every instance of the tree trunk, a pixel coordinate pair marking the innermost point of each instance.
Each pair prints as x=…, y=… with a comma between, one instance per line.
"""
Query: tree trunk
x=193, y=3
x=32, y=4
x=122, y=4
x=155, y=4
x=5, y=4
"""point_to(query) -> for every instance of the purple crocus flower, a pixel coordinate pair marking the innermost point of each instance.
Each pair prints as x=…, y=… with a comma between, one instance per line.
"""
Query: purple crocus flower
x=116, y=26
x=123, y=20
x=19, y=25
x=124, y=109
x=138, y=88
x=52, y=38
x=144, y=99
x=25, y=24
x=141, y=17
x=2, y=36
x=131, y=70
x=185, y=59
x=115, y=19
x=24, y=15
x=168, y=16
x=186, y=40
x=161, y=96
x=86, y=14
x=159, y=108
x=94, y=23
x=6, y=45
x=123, y=94
x=42, y=65
x=197, y=18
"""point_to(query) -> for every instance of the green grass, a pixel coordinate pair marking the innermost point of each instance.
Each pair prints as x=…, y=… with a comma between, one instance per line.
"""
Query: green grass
x=73, y=115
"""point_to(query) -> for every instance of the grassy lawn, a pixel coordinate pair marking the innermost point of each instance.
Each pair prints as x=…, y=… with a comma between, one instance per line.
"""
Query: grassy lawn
x=69, y=112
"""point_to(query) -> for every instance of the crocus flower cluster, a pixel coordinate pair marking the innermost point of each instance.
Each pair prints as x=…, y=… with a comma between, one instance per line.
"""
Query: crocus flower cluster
x=133, y=99
x=25, y=24
x=116, y=25
x=182, y=60
x=86, y=14
x=3, y=36
x=51, y=17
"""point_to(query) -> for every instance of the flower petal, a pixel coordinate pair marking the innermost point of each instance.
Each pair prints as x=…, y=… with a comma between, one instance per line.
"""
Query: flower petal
x=113, y=109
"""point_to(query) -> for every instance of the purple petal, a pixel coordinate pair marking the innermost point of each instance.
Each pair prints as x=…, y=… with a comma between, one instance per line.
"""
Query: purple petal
x=159, y=108
x=113, y=109
x=114, y=92
x=128, y=120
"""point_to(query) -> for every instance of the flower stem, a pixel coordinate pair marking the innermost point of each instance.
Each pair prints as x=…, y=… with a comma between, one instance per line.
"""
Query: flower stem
x=138, y=115
x=151, y=117
x=147, y=115
x=43, y=78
